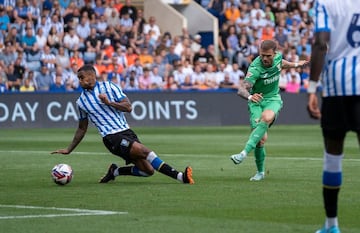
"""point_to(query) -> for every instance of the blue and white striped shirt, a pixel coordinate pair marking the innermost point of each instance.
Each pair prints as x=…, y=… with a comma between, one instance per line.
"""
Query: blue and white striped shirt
x=107, y=119
x=341, y=74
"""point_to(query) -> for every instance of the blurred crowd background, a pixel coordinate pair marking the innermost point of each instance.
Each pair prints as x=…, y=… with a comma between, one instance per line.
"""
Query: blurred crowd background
x=43, y=44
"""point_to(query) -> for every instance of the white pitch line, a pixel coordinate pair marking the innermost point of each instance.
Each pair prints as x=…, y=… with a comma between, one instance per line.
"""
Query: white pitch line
x=80, y=212
x=107, y=153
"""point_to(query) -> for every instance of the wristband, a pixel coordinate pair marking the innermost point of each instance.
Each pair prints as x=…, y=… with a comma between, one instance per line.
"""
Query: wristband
x=312, y=87
x=296, y=64
x=249, y=97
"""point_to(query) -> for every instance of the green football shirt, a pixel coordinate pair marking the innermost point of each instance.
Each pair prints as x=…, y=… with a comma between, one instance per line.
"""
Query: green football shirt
x=265, y=80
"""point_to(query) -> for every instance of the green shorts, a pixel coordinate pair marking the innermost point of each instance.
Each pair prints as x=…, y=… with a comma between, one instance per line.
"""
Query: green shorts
x=256, y=109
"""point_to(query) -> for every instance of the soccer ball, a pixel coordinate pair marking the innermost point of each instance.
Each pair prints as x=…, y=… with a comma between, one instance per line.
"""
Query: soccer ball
x=62, y=174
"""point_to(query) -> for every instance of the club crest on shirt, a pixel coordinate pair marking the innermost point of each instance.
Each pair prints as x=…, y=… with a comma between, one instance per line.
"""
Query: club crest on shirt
x=125, y=143
x=102, y=90
x=248, y=74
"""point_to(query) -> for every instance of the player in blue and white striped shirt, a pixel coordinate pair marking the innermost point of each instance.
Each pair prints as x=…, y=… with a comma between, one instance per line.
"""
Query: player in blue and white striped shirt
x=335, y=57
x=104, y=103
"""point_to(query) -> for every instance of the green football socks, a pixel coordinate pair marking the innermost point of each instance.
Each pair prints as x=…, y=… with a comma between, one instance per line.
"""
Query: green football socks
x=255, y=136
x=260, y=154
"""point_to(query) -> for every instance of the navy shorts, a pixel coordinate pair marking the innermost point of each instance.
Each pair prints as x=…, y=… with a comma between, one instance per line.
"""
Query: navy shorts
x=339, y=115
x=120, y=143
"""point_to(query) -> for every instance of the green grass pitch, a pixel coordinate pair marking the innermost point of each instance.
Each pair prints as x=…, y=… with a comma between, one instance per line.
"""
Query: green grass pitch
x=222, y=199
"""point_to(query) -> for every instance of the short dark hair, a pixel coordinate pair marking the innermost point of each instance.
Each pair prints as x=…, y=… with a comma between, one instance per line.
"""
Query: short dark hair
x=268, y=44
x=87, y=68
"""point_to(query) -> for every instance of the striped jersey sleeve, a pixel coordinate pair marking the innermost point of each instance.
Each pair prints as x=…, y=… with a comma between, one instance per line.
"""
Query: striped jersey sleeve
x=107, y=119
x=341, y=73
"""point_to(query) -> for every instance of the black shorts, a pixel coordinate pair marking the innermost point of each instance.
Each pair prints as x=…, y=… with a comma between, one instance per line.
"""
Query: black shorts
x=339, y=115
x=120, y=143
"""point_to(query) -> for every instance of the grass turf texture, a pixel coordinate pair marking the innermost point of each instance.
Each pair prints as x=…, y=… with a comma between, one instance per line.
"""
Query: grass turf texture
x=222, y=200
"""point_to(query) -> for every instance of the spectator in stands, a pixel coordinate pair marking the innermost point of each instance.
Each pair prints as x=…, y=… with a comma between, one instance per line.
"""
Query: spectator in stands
x=304, y=5
x=47, y=58
x=26, y=86
x=198, y=77
x=181, y=46
x=227, y=83
x=88, y=9
x=145, y=58
x=145, y=82
x=71, y=40
x=14, y=38
x=43, y=79
x=279, y=6
x=179, y=74
x=292, y=55
x=137, y=67
x=170, y=83
x=118, y=36
x=3, y=80
x=196, y=43
x=140, y=21
x=34, y=11
x=20, y=12
x=13, y=79
x=222, y=40
x=112, y=19
x=29, y=42
x=281, y=36
x=293, y=85
x=92, y=42
x=120, y=53
x=58, y=24
x=232, y=42
x=54, y=40
x=256, y=11
x=171, y=57
x=293, y=5
x=157, y=81
x=243, y=58
x=99, y=66
x=8, y=54
x=75, y=58
x=217, y=8
x=99, y=8
x=107, y=51
x=160, y=64
x=131, y=56
x=57, y=85
x=126, y=22
x=62, y=59
x=187, y=84
x=131, y=81
x=115, y=73
x=4, y=20
x=152, y=29
x=236, y=74
x=41, y=39
x=232, y=13
x=72, y=81
x=71, y=13
x=267, y=32
x=210, y=77
x=83, y=30
x=130, y=9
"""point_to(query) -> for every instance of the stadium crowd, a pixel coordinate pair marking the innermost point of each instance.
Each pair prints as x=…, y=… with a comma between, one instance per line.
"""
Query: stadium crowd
x=43, y=43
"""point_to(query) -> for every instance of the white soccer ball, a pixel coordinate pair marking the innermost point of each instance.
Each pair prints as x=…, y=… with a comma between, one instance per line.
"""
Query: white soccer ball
x=62, y=174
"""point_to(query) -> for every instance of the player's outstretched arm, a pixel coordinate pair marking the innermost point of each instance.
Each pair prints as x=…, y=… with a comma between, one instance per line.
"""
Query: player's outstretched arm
x=287, y=64
x=79, y=135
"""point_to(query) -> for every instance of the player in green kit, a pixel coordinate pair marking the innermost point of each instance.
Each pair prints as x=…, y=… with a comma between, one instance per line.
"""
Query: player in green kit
x=261, y=88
